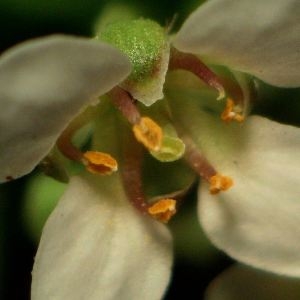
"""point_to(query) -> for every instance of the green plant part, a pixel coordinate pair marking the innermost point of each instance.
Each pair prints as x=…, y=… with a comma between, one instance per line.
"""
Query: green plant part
x=146, y=44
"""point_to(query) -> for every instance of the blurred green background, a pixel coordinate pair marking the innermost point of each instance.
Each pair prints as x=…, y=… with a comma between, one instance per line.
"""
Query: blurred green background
x=22, y=214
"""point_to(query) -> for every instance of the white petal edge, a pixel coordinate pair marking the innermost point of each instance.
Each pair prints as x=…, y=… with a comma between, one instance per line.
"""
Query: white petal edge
x=258, y=37
x=241, y=282
x=257, y=221
x=96, y=246
x=44, y=84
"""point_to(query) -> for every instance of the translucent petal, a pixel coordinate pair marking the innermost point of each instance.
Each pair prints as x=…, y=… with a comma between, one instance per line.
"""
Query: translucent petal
x=258, y=37
x=44, y=83
x=240, y=282
x=257, y=220
x=95, y=246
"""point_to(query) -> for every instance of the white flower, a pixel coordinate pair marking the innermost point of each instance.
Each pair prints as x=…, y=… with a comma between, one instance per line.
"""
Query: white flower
x=95, y=245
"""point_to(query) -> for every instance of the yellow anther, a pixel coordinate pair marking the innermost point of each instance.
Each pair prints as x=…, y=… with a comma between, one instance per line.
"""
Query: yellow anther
x=99, y=163
x=232, y=112
x=148, y=133
x=163, y=210
x=219, y=183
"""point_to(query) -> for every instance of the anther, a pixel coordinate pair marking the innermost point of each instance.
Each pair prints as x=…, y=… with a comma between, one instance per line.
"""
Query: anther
x=232, y=112
x=203, y=168
x=148, y=133
x=99, y=163
x=163, y=210
x=219, y=183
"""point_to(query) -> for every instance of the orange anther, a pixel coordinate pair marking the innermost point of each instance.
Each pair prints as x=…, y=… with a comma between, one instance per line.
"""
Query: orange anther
x=219, y=183
x=232, y=112
x=148, y=133
x=99, y=163
x=163, y=210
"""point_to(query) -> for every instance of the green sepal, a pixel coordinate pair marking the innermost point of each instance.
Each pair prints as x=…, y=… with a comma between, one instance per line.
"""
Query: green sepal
x=142, y=40
x=146, y=44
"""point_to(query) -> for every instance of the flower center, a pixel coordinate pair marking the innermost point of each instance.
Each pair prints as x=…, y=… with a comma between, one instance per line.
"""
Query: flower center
x=155, y=139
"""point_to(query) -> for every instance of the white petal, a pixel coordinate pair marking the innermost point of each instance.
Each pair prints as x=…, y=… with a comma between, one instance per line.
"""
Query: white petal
x=258, y=37
x=95, y=246
x=240, y=282
x=44, y=83
x=257, y=221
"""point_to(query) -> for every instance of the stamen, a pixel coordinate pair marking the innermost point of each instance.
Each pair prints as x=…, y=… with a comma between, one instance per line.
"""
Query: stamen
x=148, y=133
x=99, y=163
x=125, y=103
x=163, y=210
x=232, y=112
x=192, y=63
x=131, y=171
x=219, y=183
x=145, y=129
x=65, y=145
x=203, y=167
x=196, y=160
x=95, y=162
